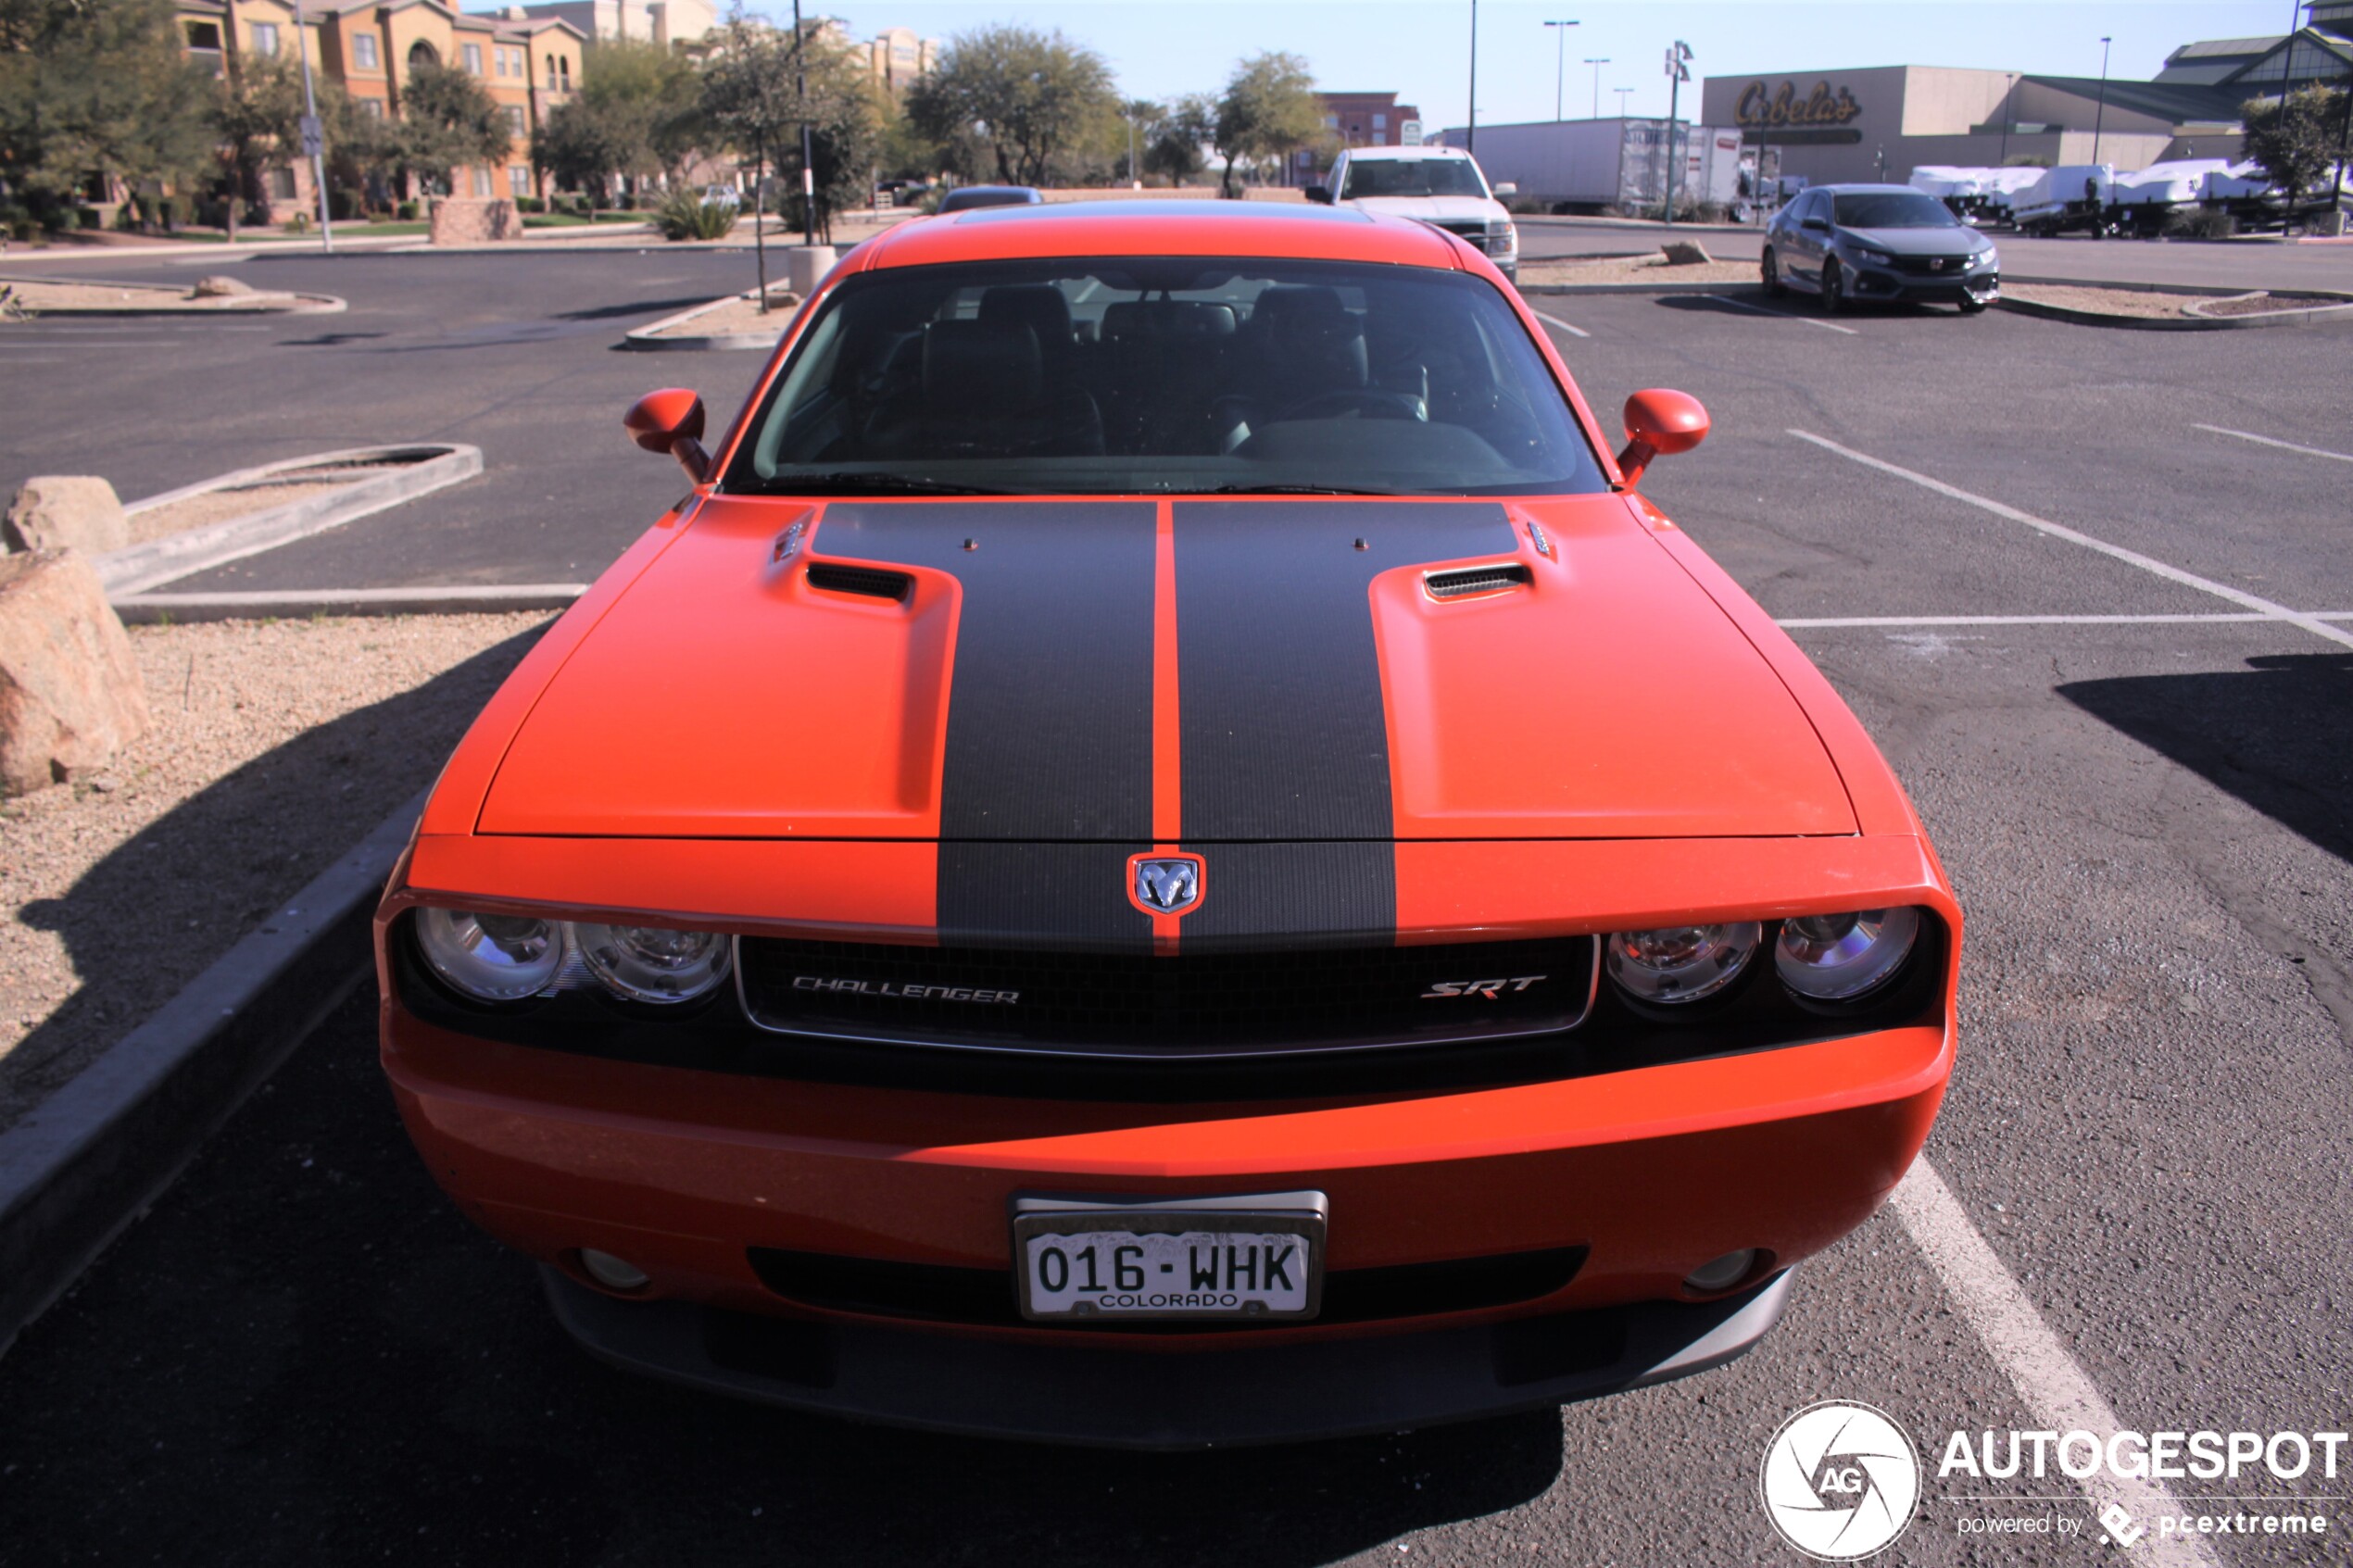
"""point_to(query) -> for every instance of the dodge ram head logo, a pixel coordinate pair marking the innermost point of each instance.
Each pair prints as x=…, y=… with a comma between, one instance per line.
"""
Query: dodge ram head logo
x=1164, y=884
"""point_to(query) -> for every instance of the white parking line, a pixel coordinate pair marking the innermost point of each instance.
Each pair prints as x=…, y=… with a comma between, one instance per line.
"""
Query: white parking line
x=2283, y=445
x=2056, y=1392
x=1785, y=315
x=1557, y=322
x=2034, y=619
x=2311, y=624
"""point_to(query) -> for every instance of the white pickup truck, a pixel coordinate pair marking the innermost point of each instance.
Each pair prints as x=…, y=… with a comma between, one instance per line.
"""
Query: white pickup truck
x=1439, y=185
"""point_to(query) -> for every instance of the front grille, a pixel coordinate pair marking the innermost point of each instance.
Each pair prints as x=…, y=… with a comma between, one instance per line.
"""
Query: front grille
x=1474, y=230
x=1932, y=266
x=1140, y=1005
x=944, y=1293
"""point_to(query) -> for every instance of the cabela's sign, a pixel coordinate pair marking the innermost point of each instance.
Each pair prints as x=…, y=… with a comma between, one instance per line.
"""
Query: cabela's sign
x=1761, y=108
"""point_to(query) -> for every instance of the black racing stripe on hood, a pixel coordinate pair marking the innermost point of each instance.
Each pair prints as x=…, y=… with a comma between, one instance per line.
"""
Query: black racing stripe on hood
x=1039, y=895
x=1049, y=707
x=1293, y=894
x=1278, y=684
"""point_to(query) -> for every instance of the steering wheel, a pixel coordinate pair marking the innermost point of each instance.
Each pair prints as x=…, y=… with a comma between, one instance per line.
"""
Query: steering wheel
x=1355, y=400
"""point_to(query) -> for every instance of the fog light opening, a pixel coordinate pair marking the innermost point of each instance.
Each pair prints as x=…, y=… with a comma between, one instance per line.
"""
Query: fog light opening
x=1721, y=1274
x=613, y=1273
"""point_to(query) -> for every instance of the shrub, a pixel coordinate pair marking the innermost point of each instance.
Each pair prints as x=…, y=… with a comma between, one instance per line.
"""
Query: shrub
x=406, y=212
x=530, y=204
x=685, y=216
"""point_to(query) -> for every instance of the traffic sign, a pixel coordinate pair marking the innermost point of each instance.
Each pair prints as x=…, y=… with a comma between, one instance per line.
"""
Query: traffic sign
x=314, y=136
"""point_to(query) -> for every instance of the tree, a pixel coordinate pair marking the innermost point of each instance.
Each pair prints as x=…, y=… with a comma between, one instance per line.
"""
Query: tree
x=2294, y=141
x=639, y=106
x=1029, y=95
x=257, y=115
x=1184, y=127
x=97, y=88
x=447, y=119
x=1269, y=108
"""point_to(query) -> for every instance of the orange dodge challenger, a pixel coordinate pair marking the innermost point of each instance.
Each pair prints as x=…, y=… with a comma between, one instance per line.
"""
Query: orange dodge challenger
x=1166, y=852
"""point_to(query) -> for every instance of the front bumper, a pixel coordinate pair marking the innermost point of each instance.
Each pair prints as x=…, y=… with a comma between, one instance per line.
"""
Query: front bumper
x=1878, y=283
x=1111, y=1396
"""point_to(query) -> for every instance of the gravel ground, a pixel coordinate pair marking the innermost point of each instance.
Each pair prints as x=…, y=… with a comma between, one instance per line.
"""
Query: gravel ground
x=276, y=746
x=220, y=506
x=1636, y=269
x=2108, y=302
x=738, y=314
x=39, y=296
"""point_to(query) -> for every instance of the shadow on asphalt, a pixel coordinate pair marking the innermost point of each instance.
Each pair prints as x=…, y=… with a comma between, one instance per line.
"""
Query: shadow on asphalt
x=637, y=308
x=244, y=844
x=305, y=1354
x=1746, y=300
x=2275, y=734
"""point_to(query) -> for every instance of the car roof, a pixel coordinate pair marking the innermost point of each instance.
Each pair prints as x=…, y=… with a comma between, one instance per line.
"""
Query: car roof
x=1133, y=226
x=1426, y=150
x=1864, y=190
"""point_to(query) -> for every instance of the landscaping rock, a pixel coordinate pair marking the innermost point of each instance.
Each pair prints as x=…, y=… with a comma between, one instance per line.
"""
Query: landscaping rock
x=70, y=691
x=63, y=511
x=1685, y=253
x=219, y=286
x=470, y=221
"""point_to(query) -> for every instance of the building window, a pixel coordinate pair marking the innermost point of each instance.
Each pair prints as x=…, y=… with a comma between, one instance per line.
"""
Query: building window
x=518, y=179
x=1331, y=122
x=514, y=119
x=473, y=52
x=265, y=38
x=363, y=52
x=482, y=181
x=279, y=184
x=371, y=108
x=204, y=35
x=1380, y=122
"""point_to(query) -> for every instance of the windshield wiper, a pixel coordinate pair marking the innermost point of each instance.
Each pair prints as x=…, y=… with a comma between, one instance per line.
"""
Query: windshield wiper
x=1292, y=490
x=872, y=484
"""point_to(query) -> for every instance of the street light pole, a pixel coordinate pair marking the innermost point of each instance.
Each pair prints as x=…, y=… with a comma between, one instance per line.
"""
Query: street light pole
x=1623, y=93
x=2100, y=114
x=1560, y=63
x=1597, y=61
x=1470, y=136
x=310, y=133
x=807, y=164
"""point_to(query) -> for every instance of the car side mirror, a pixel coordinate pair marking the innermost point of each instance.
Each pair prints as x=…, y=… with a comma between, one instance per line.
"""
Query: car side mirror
x=1659, y=423
x=671, y=421
x=1320, y=194
x=1816, y=225
x=1507, y=188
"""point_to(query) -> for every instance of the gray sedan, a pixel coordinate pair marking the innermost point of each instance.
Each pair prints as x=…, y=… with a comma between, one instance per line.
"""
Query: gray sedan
x=1849, y=243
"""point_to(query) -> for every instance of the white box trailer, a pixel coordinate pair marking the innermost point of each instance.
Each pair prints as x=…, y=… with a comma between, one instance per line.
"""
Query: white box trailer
x=1570, y=164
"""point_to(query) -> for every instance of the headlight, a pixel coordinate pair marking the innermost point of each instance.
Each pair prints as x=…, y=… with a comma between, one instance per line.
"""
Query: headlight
x=1838, y=958
x=651, y=964
x=491, y=958
x=1876, y=257
x=1682, y=963
x=1505, y=235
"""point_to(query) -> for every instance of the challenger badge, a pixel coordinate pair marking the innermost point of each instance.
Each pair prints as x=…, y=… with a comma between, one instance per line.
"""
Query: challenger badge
x=1164, y=884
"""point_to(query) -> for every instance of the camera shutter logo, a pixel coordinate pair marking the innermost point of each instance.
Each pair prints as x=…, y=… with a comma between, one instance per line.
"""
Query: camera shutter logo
x=1839, y=1481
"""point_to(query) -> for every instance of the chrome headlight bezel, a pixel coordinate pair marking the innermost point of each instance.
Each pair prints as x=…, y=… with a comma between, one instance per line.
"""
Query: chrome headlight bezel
x=1672, y=967
x=623, y=964
x=1845, y=958
x=491, y=958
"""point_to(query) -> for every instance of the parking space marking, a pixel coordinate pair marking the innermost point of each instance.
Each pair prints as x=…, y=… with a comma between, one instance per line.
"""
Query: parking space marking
x=1817, y=621
x=2055, y=1388
x=2267, y=608
x=2283, y=445
x=1785, y=315
x=1557, y=322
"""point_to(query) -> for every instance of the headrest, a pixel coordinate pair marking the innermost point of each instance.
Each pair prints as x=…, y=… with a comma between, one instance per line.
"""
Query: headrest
x=1298, y=311
x=1041, y=308
x=973, y=370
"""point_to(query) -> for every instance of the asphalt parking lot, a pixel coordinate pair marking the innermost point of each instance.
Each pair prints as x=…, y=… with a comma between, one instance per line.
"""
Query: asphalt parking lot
x=2094, y=612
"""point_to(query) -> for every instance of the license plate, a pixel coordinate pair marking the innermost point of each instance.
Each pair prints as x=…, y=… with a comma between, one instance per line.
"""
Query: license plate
x=1254, y=1257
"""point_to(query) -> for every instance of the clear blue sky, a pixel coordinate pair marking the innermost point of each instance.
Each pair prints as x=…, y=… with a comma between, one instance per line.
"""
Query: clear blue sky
x=1422, y=49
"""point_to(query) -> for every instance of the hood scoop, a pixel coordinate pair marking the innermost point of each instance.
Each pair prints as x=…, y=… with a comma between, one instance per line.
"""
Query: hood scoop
x=872, y=581
x=1472, y=579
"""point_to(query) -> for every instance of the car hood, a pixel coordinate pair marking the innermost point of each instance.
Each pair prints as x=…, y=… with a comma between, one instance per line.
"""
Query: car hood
x=1128, y=673
x=1432, y=209
x=1921, y=241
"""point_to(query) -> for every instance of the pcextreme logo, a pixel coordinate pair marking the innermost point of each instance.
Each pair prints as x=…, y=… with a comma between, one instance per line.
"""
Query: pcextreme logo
x=1839, y=1481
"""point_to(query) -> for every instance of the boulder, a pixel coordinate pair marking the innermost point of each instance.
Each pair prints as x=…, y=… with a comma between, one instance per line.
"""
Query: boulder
x=219, y=286
x=69, y=692
x=66, y=511
x=1685, y=253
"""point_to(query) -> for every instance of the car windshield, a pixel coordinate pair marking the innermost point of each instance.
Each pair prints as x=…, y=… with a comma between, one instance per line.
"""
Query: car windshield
x=1137, y=376
x=1894, y=210
x=1411, y=177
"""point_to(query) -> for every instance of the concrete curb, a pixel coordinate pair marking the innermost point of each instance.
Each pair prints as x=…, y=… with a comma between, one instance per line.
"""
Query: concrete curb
x=91, y=1158
x=139, y=567
x=2313, y=316
x=1639, y=288
x=266, y=302
x=642, y=339
x=137, y=610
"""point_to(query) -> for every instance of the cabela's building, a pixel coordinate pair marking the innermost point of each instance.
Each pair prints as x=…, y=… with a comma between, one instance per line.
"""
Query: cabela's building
x=1882, y=122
